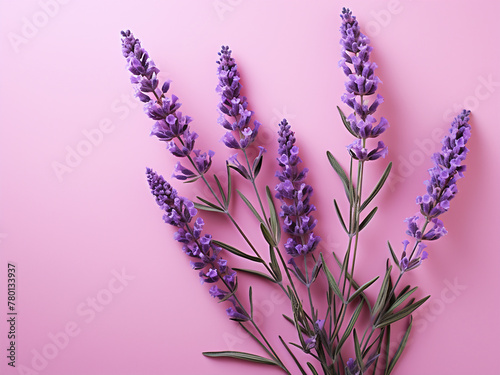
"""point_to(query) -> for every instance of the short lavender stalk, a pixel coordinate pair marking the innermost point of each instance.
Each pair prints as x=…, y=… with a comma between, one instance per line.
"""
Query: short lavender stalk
x=441, y=189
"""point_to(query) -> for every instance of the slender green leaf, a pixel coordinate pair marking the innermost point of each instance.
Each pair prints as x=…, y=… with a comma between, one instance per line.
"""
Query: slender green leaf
x=316, y=269
x=387, y=347
x=353, y=283
x=243, y=172
x=377, y=188
x=367, y=219
x=379, y=303
x=341, y=219
x=251, y=301
x=258, y=341
x=302, y=371
x=341, y=173
x=302, y=329
x=311, y=367
x=192, y=180
x=349, y=327
x=213, y=205
x=298, y=314
x=403, y=291
x=275, y=221
x=237, y=252
x=202, y=207
x=221, y=191
x=250, y=206
x=297, y=345
x=401, y=347
x=331, y=280
x=391, y=318
x=267, y=235
x=243, y=356
x=257, y=165
x=393, y=254
x=357, y=350
x=253, y=272
x=400, y=300
x=377, y=339
x=346, y=123
x=361, y=289
x=229, y=184
x=274, y=263
x=298, y=274
x=392, y=298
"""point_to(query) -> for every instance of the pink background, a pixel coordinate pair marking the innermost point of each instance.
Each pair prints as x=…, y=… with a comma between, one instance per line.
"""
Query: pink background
x=64, y=76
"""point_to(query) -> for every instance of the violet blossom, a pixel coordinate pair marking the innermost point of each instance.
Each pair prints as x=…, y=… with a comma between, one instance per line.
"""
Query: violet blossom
x=234, y=113
x=295, y=196
x=362, y=83
x=180, y=212
x=441, y=187
x=170, y=126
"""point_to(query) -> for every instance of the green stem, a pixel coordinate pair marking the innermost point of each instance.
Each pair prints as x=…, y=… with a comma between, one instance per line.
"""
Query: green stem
x=358, y=214
x=313, y=312
x=252, y=179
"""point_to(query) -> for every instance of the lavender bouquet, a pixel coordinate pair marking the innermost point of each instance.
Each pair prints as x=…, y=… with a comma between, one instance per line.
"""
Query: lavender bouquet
x=330, y=331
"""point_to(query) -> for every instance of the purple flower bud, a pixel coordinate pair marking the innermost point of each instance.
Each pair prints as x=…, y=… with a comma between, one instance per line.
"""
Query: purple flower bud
x=358, y=152
x=413, y=227
x=237, y=314
x=436, y=232
x=237, y=166
x=182, y=173
x=217, y=293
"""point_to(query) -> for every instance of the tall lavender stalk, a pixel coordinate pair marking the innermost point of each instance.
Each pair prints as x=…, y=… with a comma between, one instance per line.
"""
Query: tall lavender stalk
x=360, y=87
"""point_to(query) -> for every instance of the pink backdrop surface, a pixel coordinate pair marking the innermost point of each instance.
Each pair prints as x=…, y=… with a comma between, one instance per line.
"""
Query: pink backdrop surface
x=98, y=272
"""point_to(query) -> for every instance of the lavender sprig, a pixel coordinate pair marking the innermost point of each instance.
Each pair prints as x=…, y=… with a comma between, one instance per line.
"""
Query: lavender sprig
x=441, y=189
x=170, y=126
x=234, y=113
x=236, y=118
x=180, y=212
x=295, y=196
x=362, y=82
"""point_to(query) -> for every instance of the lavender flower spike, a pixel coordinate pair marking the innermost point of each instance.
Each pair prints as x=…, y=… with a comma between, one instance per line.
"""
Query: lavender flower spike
x=233, y=108
x=441, y=188
x=170, y=125
x=294, y=194
x=362, y=83
x=180, y=212
x=442, y=185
